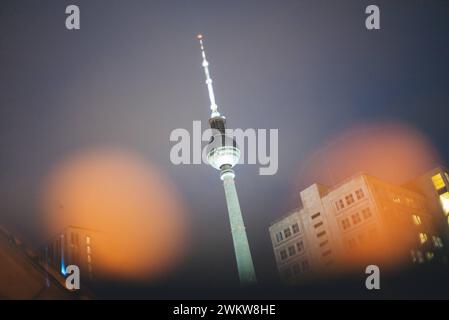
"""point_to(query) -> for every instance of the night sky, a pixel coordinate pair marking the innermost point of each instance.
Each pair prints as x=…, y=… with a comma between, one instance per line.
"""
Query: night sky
x=133, y=73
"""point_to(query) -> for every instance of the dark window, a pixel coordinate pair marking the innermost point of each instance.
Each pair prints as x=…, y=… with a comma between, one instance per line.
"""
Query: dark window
x=349, y=199
x=340, y=205
x=296, y=269
x=366, y=213
x=345, y=224
x=322, y=244
x=316, y=215
x=291, y=250
x=319, y=224
x=305, y=265
x=322, y=233
x=279, y=237
x=356, y=218
x=287, y=233
x=352, y=243
x=295, y=228
x=359, y=194
x=326, y=253
x=283, y=254
x=300, y=246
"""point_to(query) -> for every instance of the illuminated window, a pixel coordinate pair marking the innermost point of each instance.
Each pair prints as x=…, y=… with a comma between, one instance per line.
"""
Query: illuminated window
x=422, y=237
x=412, y=254
x=396, y=199
x=359, y=194
x=349, y=199
x=87, y=240
x=416, y=219
x=366, y=213
x=345, y=224
x=420, y=256
x=429, y=255
x=356, y=218
x=444, y=199
x=437, y=242
x=89, y=259
x=88, y=250
x=438, y=182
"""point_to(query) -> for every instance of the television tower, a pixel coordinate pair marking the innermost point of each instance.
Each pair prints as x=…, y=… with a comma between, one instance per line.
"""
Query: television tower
x=223, y=154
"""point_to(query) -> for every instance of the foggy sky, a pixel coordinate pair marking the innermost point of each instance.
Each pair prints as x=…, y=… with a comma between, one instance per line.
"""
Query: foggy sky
x=133, y=73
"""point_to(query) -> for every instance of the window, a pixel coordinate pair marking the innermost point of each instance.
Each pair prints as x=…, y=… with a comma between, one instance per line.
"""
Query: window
x=359, y=194
x=300, y=246
x=352, y=243
x=420, y=256
x=74, y=239
x=305, y=265
x=410, y=202
x=296, y=269
x=422, y=237
x=345, y=223
x=322, y=233
x=396, y=199
x=295, y=228
x=88, y=250
x=340, y=205
x=438, y=182
x=444, y=200
x=279, y=237
x=287, y=233
x=437, y=242
x=283, y=254
x=326, y=253
x=356, y=218
x=291, y=251
x=316, y=215
x=416, y=219
x=366, y=213
x=87, y=240
x=319, y=224
x=322, y=244
x=413, y=255
x=429, y=255
x=349, y=199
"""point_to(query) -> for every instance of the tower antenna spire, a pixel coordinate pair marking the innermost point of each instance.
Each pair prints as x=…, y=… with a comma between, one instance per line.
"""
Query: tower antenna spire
x=210, y=88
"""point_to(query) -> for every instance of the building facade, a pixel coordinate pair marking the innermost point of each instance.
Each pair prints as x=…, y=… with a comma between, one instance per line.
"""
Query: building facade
x=361, y=221
x=73, y=246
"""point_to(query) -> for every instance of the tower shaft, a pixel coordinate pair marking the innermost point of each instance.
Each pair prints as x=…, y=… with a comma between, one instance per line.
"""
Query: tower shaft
x=245, y=265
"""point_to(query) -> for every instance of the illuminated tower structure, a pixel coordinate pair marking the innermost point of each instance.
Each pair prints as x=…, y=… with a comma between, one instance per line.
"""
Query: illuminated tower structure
x=223, y=154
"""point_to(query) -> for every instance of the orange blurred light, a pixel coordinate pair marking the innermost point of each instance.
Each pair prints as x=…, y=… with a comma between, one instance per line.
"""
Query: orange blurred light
x=138, y=214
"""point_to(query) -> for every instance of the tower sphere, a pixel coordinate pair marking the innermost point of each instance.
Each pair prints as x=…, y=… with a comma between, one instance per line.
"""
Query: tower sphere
x=222, y=151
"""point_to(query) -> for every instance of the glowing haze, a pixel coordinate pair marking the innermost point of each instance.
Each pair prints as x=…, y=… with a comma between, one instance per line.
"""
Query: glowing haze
x=136, y=211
